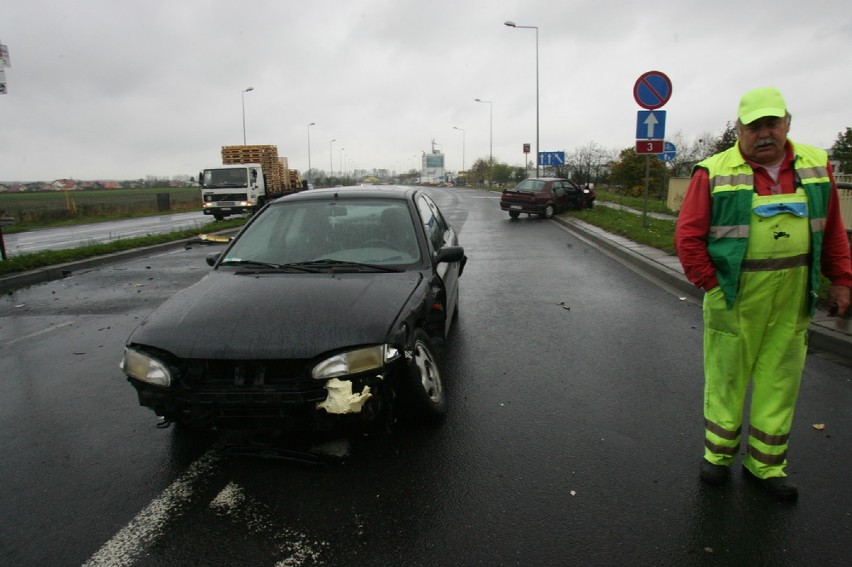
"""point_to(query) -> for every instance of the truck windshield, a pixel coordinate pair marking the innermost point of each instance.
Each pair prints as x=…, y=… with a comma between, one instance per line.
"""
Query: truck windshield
x=226, y=177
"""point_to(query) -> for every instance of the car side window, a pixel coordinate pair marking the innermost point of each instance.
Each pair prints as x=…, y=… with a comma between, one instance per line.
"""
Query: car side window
x=433, y=222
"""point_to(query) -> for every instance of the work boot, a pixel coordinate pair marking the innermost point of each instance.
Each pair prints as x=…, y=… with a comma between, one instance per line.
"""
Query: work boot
x=713, y=474
x=778, y=486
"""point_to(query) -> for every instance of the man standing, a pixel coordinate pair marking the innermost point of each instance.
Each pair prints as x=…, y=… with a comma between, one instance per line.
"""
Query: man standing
x=759, y=222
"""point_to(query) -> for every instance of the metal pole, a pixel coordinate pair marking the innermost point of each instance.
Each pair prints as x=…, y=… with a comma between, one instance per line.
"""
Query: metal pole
x=490, y=138
x=463, y=144
x=309, y=150
x=330, y=161
x=243, y=95
x=514, y=25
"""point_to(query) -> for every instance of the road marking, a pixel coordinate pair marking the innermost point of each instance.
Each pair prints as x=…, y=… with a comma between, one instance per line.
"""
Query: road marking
x=38, y=333
x=131, y=541
x=293, y=547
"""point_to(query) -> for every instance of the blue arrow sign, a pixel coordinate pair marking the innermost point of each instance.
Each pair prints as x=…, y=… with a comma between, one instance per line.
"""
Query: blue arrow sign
x=551, y=158
x=651, y=125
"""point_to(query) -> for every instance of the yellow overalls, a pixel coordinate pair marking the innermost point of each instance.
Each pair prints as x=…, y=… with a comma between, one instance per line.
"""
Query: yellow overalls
x=762, y=338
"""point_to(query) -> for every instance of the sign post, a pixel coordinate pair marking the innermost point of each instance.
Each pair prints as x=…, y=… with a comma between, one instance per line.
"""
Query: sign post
x=651, y=91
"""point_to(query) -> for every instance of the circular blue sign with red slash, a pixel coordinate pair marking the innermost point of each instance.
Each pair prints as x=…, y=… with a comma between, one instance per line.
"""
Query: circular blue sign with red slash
x=652, y=90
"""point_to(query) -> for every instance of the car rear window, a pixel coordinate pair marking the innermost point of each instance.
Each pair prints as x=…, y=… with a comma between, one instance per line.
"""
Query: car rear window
x=530, y=186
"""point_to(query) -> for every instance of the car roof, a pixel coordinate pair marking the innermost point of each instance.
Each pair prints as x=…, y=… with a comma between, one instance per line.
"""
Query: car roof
x=387, y=192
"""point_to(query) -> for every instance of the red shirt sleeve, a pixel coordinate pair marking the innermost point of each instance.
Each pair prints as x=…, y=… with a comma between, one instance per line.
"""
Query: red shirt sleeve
x=836, y=261
x=693, y=227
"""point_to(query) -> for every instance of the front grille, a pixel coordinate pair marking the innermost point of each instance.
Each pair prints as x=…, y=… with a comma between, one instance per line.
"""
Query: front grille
x=288, y=379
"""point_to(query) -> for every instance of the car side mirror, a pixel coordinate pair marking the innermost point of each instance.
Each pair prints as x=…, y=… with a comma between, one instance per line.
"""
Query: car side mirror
x=212, y=258
x=450, y=254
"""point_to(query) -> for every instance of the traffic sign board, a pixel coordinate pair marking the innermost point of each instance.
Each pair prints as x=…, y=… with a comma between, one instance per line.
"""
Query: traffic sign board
x=649, y=146
x=651, y=125
x=551, y=158
x=669, y=152
x=652, y=90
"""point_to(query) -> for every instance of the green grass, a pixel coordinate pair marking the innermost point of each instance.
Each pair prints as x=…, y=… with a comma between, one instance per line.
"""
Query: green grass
x=35, y=260
x=649, y=231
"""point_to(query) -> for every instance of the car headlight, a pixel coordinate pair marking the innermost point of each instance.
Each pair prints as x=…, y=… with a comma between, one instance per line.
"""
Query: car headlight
x=355, y=361
x=142, y=367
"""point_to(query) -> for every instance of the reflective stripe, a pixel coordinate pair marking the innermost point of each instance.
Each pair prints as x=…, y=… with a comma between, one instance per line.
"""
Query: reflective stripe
x=736, y=181
x=818, y=225
x=720, y=431
x=718, y=449
x=765, y=458
x=767, y=438
x=816, y=173
x=736, y=231
x=772, y=264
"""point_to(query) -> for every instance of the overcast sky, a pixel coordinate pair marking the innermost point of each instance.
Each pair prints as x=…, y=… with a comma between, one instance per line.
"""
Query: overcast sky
x=117, y=89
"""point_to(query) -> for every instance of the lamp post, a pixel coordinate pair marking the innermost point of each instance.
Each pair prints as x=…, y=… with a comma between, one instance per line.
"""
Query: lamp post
x=490, y=137
x=309, y=150
x=330, y=161
x=514, y=25
x=243, y=96
x=463, y=144
x=340, y=164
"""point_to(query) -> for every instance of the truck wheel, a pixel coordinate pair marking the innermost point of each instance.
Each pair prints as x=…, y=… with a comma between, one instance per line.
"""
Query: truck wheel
x=514, y=214
x=218, y=217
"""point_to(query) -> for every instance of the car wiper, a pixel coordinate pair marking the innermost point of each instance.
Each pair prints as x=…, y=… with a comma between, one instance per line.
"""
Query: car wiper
x=328, y=264
x=249, y=263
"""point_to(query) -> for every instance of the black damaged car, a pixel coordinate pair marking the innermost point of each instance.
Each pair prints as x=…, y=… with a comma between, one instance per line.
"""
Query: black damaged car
x=327, y=308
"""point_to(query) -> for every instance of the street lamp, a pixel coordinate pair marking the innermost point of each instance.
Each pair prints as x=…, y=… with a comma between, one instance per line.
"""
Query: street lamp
x=309, y=150
x=514, y=25
x=490, y=137
x=331, y=161
x=243, y=95
x=463, y=143
x=340, y=164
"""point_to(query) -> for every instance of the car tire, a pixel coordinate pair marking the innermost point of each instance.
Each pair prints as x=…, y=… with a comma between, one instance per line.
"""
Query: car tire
x=590, y=204
x=548, y=212
x=514, y=214
x=424, y=390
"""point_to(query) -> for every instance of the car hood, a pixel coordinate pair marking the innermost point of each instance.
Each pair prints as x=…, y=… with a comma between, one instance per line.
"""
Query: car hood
x=274, y=316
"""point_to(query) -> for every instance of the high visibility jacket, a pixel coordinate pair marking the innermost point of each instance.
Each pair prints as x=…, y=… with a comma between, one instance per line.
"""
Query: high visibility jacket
x=732, y=188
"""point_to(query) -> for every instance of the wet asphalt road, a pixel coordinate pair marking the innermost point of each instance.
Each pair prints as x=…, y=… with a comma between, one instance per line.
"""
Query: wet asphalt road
x=573, y=436
x=70, y=237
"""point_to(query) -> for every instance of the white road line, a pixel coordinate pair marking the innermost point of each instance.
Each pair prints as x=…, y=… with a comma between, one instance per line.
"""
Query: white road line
x=37, y=333
x=143, y=530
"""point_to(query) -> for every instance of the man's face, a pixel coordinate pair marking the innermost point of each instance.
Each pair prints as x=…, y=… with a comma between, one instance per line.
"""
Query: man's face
x=762, y=141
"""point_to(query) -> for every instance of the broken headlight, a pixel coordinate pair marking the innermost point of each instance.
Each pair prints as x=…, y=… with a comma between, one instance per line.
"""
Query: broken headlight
x=145, y=368
x=355, y=362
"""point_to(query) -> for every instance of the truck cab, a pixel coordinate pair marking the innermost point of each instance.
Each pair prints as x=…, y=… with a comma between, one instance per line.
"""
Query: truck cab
x=232, y=189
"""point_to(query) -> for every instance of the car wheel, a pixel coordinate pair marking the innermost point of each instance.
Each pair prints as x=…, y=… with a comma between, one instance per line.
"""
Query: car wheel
x=590, y=204
x=514, y=214
x=425, y=389
x=548, y=212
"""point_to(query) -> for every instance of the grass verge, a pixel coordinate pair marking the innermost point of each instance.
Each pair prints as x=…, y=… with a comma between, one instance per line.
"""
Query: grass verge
x=658, y=233
x=35, y=260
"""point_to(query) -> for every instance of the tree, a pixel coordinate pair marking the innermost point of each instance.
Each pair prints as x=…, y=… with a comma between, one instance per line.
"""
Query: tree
x=841, y=151
x=589, y=163
x=629, y=172
x=727, y=139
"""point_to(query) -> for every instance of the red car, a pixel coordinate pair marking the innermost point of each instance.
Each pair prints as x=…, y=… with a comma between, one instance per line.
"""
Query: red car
x=545, y=196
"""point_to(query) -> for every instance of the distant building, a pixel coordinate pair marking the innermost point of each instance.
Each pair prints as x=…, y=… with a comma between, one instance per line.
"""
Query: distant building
x=432, y=167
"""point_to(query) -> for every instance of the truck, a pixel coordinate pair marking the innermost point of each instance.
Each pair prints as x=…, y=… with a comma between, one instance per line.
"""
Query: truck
x=248, y=177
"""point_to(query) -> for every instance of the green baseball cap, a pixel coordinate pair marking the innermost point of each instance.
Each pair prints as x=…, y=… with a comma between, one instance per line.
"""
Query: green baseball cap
x=757, y=103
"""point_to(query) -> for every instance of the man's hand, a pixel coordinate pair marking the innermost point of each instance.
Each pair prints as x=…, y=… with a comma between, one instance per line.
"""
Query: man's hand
x=838, y=299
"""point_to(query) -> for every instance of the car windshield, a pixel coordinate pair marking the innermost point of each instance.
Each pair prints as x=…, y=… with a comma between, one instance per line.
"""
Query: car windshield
x=328, y=234
x=530, y=186
x=226, y=177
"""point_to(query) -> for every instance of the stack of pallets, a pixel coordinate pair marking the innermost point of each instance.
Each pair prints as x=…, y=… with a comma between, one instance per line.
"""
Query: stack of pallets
x=267, y=156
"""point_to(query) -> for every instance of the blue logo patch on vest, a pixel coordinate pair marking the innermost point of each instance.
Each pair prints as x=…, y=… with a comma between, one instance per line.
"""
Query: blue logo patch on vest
x=797, y=209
